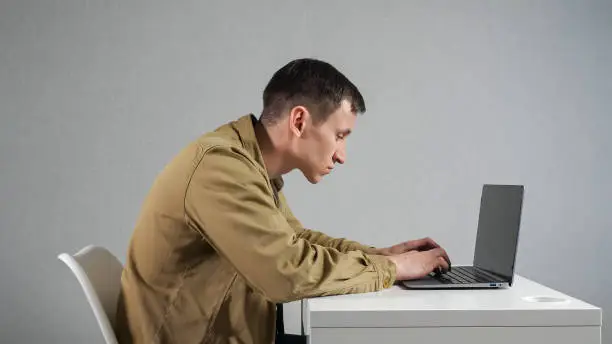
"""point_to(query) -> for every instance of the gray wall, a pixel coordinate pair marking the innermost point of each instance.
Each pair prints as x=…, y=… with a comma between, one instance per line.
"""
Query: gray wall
x=95, y=97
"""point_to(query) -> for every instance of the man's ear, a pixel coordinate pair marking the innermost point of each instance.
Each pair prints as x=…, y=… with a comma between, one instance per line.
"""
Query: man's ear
x=298, y=119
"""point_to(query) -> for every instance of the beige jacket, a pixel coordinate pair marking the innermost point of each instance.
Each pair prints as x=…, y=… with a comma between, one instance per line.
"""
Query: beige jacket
x=216, y=246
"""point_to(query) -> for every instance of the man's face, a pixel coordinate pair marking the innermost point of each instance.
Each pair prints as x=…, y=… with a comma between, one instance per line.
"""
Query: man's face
x=323, y=145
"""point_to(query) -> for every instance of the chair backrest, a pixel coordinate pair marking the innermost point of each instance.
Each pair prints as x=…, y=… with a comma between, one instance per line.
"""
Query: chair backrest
x=99, y=274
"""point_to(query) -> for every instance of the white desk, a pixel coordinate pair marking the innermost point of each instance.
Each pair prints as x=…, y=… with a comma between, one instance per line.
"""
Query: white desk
x=501, y=316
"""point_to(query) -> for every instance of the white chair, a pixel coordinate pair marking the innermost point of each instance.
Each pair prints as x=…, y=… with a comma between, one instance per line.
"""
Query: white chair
x=99, y=273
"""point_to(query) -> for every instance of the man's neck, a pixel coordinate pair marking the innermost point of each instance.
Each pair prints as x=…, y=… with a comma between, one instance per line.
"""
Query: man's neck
x=272, y=154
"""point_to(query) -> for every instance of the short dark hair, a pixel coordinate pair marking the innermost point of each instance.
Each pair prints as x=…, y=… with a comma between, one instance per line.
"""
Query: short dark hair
x=312, y=83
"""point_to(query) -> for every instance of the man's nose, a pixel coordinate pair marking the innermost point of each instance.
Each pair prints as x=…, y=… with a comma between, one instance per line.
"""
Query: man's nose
x=340, y=156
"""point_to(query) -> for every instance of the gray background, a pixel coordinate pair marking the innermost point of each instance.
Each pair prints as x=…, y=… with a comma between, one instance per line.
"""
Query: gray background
x=96, y=96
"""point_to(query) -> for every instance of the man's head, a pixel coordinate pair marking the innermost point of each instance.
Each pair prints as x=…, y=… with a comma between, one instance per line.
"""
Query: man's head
x=311, y=107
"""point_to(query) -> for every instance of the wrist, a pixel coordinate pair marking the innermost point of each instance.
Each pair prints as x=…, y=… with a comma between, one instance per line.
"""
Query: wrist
x=393, y=260
x=382, y=251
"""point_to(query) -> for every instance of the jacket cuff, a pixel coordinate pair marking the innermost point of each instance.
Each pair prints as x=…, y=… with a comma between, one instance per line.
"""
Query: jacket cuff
x=355, y=246
x=387, y=272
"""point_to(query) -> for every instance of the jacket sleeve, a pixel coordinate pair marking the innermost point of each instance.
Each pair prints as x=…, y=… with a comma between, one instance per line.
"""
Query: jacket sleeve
x=316, y=237
x=229, y=201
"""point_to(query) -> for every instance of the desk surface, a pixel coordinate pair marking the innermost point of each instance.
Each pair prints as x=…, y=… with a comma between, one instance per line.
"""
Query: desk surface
x=400, y=307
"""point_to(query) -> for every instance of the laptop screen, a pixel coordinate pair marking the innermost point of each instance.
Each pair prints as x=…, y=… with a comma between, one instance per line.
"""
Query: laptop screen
x=498, y=228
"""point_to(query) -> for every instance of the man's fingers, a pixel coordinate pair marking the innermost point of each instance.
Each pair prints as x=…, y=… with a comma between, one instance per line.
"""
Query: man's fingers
x=425, y=244
x=431, y=242
x=440, y=252
x=443, y=264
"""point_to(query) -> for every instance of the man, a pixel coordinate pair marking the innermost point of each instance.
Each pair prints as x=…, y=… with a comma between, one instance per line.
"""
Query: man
x=216, y=246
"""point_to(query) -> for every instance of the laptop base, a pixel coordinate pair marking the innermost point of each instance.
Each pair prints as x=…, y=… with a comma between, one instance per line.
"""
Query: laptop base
x=460, y=277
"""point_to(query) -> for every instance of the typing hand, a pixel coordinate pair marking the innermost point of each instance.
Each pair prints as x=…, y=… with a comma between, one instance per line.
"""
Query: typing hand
x=418, y=264
x=424, y=244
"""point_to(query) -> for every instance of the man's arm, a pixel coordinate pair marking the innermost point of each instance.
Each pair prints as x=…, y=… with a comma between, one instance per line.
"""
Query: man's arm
x=319, y=238
x=228, y=201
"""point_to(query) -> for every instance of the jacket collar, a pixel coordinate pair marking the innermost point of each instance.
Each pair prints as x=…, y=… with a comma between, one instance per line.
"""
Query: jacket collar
x=244, y=127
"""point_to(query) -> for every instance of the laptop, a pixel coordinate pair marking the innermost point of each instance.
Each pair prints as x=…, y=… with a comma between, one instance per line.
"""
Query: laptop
x=496, y=244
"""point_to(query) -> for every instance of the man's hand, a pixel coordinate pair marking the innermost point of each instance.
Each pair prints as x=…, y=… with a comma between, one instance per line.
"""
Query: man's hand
x=417, y=258
x=417, y=264
x=424, y=244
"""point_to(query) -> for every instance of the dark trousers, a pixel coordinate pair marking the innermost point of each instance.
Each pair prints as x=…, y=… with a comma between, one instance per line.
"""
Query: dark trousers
x=281, y=336
x=290, y=339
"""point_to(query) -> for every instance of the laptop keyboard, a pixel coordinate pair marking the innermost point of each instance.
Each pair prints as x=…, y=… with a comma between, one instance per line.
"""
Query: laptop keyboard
x=466, y=275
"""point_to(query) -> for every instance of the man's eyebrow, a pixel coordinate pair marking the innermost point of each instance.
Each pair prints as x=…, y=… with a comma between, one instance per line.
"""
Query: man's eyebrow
x=346, y=132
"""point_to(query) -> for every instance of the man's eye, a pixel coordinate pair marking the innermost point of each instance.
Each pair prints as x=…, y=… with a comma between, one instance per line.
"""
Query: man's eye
x=339, y=137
